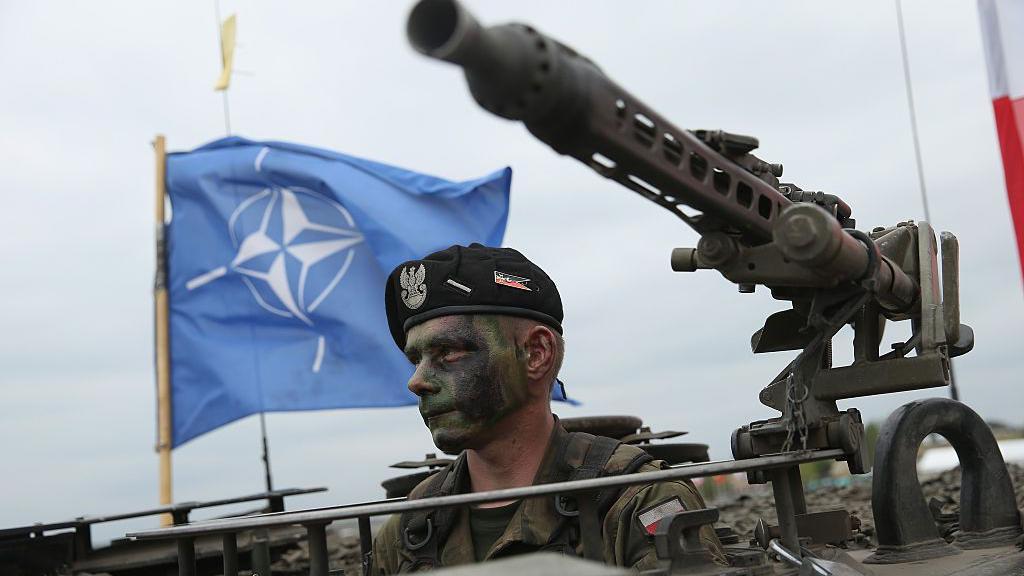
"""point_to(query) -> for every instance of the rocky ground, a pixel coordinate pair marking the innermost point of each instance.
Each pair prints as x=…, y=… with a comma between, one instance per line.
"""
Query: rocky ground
x=741, y=513
x=342, y=547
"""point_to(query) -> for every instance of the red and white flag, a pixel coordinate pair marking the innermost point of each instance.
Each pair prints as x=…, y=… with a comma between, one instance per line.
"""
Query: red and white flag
x=1002, y=30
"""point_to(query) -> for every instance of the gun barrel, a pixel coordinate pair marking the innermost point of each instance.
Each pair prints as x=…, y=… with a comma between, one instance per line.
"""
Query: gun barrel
x=567, y=102
x=447, y=31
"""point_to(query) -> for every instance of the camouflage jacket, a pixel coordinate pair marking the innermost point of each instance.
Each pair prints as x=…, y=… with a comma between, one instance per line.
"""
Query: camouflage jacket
x=535, y=524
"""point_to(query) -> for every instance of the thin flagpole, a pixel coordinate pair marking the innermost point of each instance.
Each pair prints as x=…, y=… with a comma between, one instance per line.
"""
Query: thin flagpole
x=953, y=391
x=266, y=452
x=227, y=129
x=161, y=310
x=913, y=113
x=227, y=114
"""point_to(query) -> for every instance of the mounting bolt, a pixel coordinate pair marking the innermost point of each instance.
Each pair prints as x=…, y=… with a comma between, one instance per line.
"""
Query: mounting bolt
x=716, y=248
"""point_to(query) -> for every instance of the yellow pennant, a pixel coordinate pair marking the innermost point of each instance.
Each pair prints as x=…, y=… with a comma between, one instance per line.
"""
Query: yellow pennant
x=227, y=53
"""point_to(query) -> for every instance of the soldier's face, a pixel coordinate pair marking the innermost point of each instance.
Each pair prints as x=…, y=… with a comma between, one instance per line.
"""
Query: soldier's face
x=470, y=374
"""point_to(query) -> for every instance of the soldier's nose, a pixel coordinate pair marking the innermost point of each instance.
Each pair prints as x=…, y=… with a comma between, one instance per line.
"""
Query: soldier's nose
x=418, y=385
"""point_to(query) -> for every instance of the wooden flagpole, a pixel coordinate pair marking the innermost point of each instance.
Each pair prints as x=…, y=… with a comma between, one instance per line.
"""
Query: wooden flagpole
x=163, y=357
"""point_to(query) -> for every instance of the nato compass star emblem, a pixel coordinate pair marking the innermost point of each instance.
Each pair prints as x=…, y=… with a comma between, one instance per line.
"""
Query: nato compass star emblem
x=292, y=248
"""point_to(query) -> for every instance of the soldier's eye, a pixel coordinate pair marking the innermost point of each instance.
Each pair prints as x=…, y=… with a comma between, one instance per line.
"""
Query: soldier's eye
x=449, y=356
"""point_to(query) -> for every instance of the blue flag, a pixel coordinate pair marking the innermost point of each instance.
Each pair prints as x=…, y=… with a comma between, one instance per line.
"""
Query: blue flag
x=278, y=256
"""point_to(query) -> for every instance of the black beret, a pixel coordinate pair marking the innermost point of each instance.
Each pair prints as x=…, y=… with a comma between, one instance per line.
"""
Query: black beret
x=472, y=279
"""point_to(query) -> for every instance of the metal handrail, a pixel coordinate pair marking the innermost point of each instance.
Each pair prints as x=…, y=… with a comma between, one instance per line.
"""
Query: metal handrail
x=178, y=507
x=316, y=520
x=82, y=526
x=326, y=515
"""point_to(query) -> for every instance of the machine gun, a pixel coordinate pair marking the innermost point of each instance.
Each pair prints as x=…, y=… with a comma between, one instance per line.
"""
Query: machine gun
x=755, y=230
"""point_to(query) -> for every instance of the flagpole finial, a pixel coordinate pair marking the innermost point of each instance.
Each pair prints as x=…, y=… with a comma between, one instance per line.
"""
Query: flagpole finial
x=227, y=53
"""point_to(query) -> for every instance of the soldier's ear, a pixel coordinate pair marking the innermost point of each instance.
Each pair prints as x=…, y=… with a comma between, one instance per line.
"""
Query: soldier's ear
x=540, y=352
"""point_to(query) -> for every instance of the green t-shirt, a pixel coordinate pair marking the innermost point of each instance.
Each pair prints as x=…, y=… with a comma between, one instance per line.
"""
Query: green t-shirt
x=487, y=525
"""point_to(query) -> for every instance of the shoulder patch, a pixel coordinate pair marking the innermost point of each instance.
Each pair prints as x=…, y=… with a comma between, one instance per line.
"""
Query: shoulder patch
x=649, y=517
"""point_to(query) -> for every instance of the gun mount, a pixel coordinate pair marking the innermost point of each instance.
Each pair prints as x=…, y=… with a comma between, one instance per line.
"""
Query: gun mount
x=755, y=230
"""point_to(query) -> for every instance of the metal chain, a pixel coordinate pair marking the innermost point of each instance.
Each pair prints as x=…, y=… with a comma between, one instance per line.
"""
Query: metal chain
x=796, y=390
x=796, y=423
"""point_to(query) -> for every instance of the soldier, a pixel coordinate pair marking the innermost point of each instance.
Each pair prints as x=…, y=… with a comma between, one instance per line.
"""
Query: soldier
x=482, y=326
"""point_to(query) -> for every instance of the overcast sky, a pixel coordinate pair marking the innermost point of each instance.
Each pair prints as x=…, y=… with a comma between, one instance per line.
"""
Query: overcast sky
x=85, y=86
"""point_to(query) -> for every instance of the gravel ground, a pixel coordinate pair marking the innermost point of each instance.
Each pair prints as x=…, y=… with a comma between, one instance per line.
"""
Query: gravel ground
x=342, y=548
x=740, y=513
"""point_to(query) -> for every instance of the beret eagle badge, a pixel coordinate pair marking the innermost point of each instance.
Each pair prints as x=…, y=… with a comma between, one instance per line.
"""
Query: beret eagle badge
x=414, y=291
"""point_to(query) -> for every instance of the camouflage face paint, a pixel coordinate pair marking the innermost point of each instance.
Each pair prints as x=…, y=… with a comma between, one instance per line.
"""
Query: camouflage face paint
x=474, y=375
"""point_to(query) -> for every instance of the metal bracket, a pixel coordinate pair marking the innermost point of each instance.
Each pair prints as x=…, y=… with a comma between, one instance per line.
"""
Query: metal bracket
x=677, y=539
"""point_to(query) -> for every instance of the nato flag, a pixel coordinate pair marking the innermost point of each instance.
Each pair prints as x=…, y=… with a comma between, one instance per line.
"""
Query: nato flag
x=277, y=260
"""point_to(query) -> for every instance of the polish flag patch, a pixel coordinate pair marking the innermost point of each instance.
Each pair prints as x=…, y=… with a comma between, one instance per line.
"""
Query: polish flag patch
x=511, y=281
x=650, y=517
